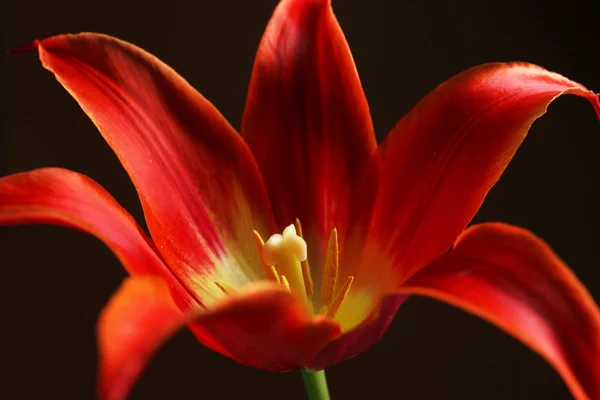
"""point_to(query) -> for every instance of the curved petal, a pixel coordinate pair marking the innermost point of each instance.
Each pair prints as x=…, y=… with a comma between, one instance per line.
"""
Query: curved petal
x=360, y=339
x=138, y=318
x=511, y=278
x=441, y=159
x=308, y=124
x=62, y=197
x=200, y=188
x=264, y=327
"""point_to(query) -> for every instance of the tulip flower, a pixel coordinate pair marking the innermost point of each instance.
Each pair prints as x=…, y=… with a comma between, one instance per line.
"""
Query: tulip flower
x=292, y=244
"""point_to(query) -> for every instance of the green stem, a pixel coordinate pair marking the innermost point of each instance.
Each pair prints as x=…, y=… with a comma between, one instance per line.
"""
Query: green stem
x=315, y=384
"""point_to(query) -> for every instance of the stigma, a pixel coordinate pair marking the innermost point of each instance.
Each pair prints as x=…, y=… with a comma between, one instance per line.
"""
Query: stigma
x=287, y=251
x=284, y=260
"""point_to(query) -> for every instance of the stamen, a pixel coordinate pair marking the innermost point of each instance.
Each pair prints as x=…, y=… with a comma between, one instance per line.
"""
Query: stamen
x=225, y=288
x=284, y=260
x=269, y=270
x=339, y=300
x=308, y=282
x=274, y=274
x=330, y=274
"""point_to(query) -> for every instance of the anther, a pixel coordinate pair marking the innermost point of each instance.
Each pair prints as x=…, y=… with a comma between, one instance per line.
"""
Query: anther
x=269, y=270
x=308, y=282
x=330, y=274
x=225, y=288
x=339, y=300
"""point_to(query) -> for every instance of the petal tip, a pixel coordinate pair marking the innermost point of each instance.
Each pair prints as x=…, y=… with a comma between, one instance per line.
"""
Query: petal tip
x=24, y=48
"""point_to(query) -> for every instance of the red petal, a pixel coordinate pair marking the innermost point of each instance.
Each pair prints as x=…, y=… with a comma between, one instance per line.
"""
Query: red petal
x=138, y=318
x=441, y=159
x=307, y=122
x=66, y=198
x=511, y=278
x=198, y=182
x=361, y=338
x=265, y=327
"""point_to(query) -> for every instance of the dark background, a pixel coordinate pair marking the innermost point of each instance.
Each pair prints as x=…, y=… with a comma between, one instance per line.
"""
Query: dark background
x=55, y=281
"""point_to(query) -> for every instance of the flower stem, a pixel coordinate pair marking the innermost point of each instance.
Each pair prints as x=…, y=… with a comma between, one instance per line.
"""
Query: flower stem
x=315, y=384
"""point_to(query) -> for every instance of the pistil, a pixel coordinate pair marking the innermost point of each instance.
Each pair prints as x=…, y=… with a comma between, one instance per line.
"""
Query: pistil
x=287, y=251
x=284, y=260
x=269, y=270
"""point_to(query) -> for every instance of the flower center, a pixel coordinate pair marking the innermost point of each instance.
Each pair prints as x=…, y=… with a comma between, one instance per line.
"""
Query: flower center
x=284, y=260
x=287, y=251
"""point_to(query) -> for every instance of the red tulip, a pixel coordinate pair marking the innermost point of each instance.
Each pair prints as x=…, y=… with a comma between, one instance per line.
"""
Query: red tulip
x=377, y=222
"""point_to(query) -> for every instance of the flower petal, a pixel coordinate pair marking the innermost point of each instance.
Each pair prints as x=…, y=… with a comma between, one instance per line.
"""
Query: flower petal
x=441, y=159
x=308, y=124
x=511, y=278
x=200, y=188
x=138, y=318
x=263, y=327
x=62, y=197
x=360, y=339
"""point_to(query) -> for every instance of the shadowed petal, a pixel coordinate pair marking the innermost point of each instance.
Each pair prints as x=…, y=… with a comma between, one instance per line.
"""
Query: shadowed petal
x=441, y=159
x=62, y=197
x=200, y=187
x=308, y=124
x=263, y=327
x=362, y=337
x=511, y=278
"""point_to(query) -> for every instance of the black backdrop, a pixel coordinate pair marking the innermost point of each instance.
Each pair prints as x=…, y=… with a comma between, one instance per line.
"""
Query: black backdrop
x=55, y=281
